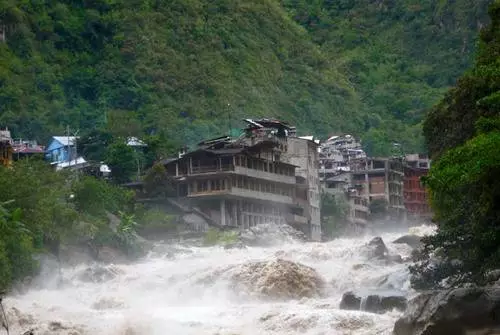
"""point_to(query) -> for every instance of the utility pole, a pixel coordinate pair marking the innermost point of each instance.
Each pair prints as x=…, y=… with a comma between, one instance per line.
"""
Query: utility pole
x=229, y=118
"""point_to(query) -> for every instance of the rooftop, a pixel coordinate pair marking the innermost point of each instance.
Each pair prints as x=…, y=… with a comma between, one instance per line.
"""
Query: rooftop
x=65, y=140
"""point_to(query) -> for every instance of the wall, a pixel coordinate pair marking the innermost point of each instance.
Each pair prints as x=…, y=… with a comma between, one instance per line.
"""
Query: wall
x=304, y=154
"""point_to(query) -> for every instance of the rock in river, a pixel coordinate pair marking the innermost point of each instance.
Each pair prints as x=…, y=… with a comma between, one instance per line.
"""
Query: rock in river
x=374, y=302
x=278, y=279
x=456, y=311
x=413, y=241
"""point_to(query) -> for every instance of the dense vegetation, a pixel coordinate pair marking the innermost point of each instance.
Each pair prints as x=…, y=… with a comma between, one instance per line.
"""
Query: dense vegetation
x=463, y=134
x=192, y=69
x=40, y=209
x=401, y=56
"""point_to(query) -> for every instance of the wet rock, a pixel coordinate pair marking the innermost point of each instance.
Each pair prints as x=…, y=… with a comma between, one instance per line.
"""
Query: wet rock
x=376, y=248
x=278, y=279
x=394, y=258
x=381, y=304
x=373, y=302
x=24, y=320
x=107, y=303
x=270, y=234
x=413, y=241
x=360, y=266
x=74, y=255
x=350, y=301
x=493, y=277
x=99, y=274
x=111, y=256
x=457, y=311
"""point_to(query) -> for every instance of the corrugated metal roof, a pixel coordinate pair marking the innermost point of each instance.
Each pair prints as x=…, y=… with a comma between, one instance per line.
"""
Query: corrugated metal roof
x=5, y=136
x=65, y=140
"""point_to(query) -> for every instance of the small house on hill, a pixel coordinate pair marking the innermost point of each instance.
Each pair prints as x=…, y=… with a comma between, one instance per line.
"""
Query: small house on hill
x=61, y=149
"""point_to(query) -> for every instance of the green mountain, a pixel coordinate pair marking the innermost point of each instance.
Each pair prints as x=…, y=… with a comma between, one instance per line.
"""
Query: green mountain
x=188, y=69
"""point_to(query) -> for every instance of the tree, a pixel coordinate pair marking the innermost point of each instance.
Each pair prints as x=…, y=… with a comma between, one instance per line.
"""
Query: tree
x=122, y=161
x=334, y=212
x=463, y=135
x=16, y=247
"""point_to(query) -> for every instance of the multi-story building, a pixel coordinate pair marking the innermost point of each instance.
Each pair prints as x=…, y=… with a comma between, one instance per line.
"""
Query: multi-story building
x=5, y=148
x=415, y=194
x=376, y=179
x=252, y=180
x=336, y=153
x=303, y=153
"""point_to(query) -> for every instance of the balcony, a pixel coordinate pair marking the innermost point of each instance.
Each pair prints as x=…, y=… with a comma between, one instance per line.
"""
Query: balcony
x=244, y=193
x=280, y=178
x=297, y=219
x=211, y=169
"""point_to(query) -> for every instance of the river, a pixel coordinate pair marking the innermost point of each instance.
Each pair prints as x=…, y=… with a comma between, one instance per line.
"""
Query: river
x=164, y=294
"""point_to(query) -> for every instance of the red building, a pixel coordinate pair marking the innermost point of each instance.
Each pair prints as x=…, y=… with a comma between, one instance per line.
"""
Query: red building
x=415, y=195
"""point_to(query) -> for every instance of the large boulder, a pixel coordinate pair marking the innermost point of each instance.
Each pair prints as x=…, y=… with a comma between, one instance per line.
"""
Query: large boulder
x=377, y=247
x=456, y=311
x=413, y=241
x=373, y=302
x=350, y=301
x=277, y=279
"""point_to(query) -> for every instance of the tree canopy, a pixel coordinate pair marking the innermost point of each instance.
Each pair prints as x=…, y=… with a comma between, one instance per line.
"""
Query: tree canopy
x=463, y=132
x=187, y=70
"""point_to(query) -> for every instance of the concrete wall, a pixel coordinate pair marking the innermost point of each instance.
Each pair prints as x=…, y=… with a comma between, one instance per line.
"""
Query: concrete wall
x=304, y=154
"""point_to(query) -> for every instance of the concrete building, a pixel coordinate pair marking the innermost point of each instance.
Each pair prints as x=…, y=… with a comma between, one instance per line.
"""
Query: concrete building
x=303, y=153
x=336, y=153
x=266, y=176
x=377, y=179
x=415, y=194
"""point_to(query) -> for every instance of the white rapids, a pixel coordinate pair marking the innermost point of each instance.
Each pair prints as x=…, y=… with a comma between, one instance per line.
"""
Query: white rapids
x=170, y=295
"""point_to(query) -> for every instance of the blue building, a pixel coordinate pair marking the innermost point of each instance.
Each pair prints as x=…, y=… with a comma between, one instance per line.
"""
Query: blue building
x=61, y=149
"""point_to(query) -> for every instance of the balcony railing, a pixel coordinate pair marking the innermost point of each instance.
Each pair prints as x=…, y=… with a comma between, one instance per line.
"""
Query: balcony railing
x=211, y=168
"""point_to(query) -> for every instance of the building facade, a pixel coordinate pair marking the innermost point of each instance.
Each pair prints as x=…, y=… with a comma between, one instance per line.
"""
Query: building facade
x=61, y=149
x=378, y=179
x=266, y=176
x=415, y=194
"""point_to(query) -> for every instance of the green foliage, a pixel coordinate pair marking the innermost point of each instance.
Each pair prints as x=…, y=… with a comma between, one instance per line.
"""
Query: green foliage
x=16, y=247
x=41, y=208
x=155, y=219
x=326, y=66
x=465, y=193
x=122, y=160
x=334, y=211
x=157, y=183
x=463, y=133
x=216, y=237
x=476, y=95
x=401, y=56
x=95, y=197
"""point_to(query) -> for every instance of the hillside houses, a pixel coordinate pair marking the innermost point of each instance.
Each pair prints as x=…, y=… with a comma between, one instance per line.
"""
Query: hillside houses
x=392, y=182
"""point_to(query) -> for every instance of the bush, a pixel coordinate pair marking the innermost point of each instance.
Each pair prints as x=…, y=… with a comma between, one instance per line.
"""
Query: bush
x=216, y=237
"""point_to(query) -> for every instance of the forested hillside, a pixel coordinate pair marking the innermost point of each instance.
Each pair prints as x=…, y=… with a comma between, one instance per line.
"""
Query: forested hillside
x=463, y=137
x=191, y=69
x=401, y=55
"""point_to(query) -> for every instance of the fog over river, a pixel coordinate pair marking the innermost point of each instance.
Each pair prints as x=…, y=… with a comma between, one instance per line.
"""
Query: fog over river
x=182, y=289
